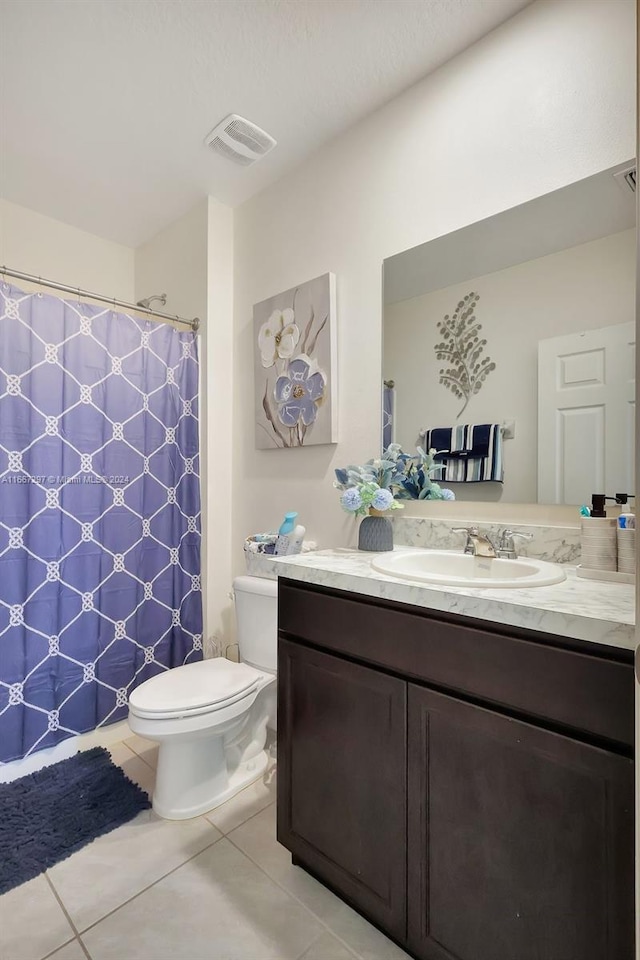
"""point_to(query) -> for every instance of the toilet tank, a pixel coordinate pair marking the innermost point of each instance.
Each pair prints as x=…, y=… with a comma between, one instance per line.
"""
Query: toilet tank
x=256, y=602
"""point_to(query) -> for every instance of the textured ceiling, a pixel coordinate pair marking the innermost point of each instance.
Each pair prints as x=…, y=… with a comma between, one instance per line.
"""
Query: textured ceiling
x=104, y=104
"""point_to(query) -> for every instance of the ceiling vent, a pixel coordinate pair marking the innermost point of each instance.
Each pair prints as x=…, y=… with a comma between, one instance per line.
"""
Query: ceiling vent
x=240, y=140
x=626, y=179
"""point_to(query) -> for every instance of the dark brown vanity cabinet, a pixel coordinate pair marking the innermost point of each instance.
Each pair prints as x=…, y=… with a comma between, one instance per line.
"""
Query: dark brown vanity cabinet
x=468, y=788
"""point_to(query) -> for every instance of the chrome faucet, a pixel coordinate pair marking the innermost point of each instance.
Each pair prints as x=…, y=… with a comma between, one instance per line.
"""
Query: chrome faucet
x=478, y=544
x=506, y=545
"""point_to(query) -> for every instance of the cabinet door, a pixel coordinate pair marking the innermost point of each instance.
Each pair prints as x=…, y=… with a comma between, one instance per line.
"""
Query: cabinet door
x=520, y=839
x=342, y=778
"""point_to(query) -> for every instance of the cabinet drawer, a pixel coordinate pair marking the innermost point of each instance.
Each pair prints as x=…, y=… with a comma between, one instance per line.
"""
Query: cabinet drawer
x=509, y=667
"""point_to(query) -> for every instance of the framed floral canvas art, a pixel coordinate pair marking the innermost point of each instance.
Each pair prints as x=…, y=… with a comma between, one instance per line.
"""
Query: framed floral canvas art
x=295, y=366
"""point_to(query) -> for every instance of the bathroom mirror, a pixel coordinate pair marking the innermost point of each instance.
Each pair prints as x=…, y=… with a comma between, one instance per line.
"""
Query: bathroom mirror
x=552, y=285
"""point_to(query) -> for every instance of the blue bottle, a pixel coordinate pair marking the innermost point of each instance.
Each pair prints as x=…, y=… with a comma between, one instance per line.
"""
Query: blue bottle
x=287, y=527
x=288, y=524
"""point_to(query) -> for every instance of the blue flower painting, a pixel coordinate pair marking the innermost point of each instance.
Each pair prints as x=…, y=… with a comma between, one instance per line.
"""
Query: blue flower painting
x=299, y=391
x=294, y=345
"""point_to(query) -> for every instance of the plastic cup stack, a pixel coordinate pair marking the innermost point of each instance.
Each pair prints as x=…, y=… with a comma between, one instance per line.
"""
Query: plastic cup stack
x=626, y=544
x=598, y=543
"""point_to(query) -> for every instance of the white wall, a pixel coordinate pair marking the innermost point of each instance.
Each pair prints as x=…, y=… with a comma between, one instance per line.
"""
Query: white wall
x=191, y=261
x=219, y=487
x=174, y=262
x=32, y=243
x=581, y=288
x=547, y=99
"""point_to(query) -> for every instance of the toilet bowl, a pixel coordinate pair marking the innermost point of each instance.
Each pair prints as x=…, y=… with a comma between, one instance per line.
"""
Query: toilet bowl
x=211, y=717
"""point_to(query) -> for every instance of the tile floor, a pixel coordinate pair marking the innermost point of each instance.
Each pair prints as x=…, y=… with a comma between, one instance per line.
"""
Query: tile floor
x=218, y=887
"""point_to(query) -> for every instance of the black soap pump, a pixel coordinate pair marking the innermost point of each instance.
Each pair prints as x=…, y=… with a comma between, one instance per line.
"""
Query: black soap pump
x=598, y=501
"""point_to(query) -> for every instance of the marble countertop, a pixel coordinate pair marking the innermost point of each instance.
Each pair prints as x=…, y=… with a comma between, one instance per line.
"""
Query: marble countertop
x=589, y=610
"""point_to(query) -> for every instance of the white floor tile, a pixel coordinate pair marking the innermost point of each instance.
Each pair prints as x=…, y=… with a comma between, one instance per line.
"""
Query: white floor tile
x=133, y=766
x=112, y=869
x=327, y=947
x=32, y=923
x=147, y=750
x=72, y=951
x=235, y=899
x=245, y=804
x=219, y=906
x=362, y=937
x=257, y=838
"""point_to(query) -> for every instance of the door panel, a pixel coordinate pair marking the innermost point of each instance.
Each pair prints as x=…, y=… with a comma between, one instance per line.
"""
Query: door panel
x=520, y=840
x=342, y=778
x=586, y=392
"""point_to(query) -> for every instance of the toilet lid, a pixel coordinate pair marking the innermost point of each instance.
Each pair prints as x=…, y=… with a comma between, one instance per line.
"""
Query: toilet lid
x=193, y=688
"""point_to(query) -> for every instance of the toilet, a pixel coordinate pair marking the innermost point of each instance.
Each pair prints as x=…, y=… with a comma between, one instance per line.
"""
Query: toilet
x=211, y=717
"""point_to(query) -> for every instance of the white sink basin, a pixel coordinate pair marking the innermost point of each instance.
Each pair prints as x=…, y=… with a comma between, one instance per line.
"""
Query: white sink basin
x=463, y=570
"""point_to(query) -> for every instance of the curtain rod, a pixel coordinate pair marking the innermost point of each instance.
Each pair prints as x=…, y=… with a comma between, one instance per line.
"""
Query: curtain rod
x=133, y=307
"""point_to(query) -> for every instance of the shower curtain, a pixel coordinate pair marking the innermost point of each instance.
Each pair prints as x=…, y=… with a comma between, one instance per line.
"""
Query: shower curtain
x=99, y=513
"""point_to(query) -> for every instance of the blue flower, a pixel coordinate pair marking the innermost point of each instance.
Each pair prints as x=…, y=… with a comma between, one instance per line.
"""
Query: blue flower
x=448, y=494
x=382, y=500
x=298, y=392
x=351, y=499
x=342, y=477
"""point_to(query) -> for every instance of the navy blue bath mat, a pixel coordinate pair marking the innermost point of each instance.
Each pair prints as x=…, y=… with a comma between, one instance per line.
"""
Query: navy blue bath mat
x=48, y=815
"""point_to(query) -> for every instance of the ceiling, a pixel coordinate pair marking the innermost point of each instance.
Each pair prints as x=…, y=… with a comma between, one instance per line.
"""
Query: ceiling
x=104, y=104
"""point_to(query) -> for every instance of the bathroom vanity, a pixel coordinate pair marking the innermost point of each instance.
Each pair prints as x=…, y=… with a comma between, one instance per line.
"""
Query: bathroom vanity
x=465, y=783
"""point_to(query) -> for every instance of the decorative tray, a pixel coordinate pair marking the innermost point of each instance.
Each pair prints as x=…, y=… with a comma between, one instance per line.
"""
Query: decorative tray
x=612, y=576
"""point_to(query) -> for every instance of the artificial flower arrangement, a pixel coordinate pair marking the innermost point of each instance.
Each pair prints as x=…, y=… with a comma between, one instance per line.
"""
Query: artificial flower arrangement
x=380, y=483
x=414, y=477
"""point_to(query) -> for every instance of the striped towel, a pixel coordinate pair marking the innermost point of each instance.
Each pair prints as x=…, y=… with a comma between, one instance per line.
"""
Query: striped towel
x=468, y=453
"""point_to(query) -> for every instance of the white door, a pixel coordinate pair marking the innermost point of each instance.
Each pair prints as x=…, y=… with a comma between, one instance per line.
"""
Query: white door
x=586, y=414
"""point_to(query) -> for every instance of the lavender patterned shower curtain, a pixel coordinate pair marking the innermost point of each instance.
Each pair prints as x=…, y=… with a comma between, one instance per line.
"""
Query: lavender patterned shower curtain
x=99, y=513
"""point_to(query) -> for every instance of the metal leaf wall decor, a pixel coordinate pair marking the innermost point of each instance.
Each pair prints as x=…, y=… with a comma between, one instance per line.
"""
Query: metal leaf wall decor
x=463, y=347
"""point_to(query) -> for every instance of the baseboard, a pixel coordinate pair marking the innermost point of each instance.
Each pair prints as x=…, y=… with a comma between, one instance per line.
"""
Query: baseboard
x=100, y=737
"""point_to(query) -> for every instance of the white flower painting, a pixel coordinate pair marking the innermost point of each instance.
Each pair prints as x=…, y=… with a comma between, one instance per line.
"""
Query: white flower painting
x=294, y=337
x=278, y=337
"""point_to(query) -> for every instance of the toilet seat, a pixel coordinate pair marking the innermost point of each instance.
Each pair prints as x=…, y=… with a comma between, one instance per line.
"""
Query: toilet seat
x=194, y=689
